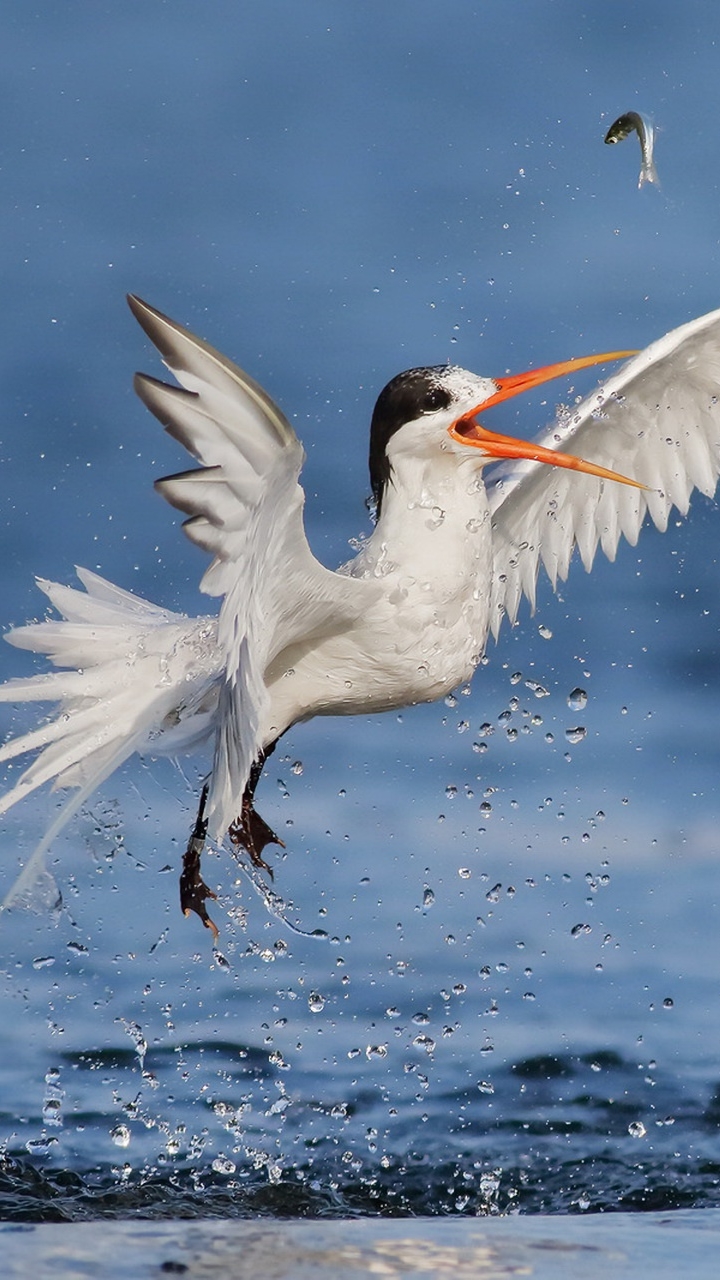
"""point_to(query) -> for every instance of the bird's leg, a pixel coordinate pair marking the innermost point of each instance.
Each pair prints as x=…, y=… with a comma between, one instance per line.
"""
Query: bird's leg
x=250, y=830
x=193, y=890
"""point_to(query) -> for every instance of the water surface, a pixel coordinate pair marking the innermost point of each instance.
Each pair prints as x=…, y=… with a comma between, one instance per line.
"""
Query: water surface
x=515, y=1006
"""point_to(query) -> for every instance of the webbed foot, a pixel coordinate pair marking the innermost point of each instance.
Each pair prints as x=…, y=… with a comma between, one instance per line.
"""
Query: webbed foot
x=252, y=833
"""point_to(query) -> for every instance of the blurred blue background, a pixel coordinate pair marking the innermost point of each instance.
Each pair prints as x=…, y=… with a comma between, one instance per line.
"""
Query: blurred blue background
x=330, y=194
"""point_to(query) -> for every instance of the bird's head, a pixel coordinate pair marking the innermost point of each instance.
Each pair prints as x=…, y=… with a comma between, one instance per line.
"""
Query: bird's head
x=425, y=410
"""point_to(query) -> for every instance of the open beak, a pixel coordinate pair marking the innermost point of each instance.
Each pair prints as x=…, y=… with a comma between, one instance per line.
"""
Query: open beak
x=467, y=431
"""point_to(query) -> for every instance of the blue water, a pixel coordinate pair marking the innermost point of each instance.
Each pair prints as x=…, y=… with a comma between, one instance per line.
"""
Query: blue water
x=514, y=1007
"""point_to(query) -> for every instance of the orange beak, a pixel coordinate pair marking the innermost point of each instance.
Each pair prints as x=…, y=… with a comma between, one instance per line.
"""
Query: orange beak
x=467, y=431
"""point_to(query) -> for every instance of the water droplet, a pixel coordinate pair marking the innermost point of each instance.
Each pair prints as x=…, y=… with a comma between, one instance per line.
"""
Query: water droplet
x=489, y=1185
x=545, y=632
x=297, y=767
x=428, y=898
x=39, y=1146
x=316, y=1002
x=221, y=1164
x=43, y=962
x=538, y=689
x=668, y=1003
x=52, y=1109
x=376, y=1051
x=135, y=1031
x=577, y=700
x=120, y=1135
x=637, y=1129
x=576, y=735
x=424, y=1042
x=579, y=929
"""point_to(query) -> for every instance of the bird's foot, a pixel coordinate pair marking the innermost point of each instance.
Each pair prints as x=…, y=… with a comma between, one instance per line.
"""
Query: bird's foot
x=252, y=833
x=193, y=890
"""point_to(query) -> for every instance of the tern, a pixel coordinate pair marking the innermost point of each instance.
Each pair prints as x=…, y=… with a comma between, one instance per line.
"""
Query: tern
x=454, y=549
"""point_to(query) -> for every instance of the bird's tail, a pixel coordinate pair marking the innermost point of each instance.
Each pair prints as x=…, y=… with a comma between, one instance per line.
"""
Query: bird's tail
x=133, y=677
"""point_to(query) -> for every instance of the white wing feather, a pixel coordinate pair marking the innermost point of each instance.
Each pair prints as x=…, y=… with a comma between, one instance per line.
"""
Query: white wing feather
x=657, y=420
x=246, y=508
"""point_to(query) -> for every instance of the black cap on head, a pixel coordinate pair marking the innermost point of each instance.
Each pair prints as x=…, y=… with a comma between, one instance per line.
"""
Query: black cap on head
x=407, y=397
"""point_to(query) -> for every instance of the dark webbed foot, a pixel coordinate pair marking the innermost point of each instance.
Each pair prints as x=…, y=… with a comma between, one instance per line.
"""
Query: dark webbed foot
x=252, y=833
x=193, y=890
x=249, y=830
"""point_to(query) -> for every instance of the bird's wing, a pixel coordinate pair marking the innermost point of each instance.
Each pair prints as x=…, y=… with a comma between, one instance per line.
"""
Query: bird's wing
x=657, y=421
x=245, y=507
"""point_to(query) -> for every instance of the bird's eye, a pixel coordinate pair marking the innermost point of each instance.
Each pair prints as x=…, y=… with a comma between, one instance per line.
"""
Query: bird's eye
x=436, y=398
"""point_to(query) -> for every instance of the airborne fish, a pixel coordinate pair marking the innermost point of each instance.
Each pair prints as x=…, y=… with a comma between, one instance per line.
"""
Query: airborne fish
x=623, y=127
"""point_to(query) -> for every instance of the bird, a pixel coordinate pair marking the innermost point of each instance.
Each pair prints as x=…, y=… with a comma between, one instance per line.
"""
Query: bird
x=465, y=519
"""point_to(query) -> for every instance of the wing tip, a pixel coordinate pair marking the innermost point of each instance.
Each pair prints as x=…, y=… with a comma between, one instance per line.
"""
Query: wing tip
x=160, y=329
x=142, y=311
x=159, y=397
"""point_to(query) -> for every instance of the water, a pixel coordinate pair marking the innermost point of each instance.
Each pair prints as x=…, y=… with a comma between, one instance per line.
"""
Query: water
x=537, y=1035
x=515, y=1004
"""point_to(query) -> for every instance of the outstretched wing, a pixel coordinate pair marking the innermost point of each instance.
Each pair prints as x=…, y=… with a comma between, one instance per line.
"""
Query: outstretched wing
x=657, y=420
x=245, y=507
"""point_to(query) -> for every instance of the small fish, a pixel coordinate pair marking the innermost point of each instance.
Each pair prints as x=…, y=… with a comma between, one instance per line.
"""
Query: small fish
x=623, y=127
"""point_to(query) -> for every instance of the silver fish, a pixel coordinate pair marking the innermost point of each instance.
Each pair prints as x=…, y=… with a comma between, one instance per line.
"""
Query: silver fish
x=623, y=127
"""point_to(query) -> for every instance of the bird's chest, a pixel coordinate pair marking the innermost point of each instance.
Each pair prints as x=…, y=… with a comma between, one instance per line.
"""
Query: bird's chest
x=431, y=625
x=426, y=628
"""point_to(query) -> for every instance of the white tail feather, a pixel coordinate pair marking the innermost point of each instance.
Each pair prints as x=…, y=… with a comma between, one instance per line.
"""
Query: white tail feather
x=34, y=868
x=144, y=680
